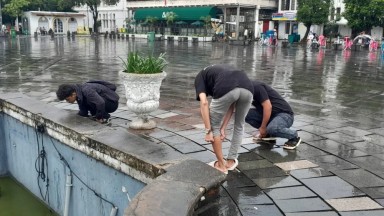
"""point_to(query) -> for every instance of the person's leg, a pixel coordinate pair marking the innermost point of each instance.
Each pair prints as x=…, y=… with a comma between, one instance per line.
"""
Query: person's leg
x=242, y=107
x=218, y=108
x=110, y=107
x=280, y=125
x=254, y=118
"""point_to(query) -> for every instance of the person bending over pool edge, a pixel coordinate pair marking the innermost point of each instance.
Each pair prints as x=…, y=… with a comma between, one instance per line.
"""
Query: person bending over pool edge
x=231, y=90
x=96, y=97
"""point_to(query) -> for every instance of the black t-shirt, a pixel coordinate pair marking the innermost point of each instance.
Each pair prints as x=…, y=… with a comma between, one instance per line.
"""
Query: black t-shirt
x=262, y=92
x=218, y=80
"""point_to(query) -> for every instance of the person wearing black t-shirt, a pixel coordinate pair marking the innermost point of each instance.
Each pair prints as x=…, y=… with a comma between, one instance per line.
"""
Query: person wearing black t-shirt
x=271, y=115
x=231, y=90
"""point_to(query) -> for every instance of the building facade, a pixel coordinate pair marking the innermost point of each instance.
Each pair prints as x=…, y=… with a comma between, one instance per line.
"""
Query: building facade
x=238, y=15
x=58, y=22
x=112, y=17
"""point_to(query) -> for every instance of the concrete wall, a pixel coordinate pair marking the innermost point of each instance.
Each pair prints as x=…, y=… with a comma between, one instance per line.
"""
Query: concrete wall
x=21, y=147
x=3, y=158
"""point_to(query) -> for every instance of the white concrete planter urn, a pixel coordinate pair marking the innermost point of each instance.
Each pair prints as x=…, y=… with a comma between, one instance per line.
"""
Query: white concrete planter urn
x=143, y=94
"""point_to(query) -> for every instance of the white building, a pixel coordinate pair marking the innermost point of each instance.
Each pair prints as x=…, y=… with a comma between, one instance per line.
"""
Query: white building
x=112, y=17
x=59, y=22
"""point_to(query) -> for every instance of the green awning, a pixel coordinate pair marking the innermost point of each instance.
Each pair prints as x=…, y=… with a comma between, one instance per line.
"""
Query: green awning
x=183, y=13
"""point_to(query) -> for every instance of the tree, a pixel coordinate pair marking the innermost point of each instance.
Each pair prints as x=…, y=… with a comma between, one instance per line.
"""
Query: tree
x=151, y=21
x=362, y=15
x=312, y=12
x=92, y=4
x=207, y=22
x=15, y=8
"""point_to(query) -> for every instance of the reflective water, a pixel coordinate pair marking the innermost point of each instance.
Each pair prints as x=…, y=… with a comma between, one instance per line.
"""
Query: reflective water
x=16, y=200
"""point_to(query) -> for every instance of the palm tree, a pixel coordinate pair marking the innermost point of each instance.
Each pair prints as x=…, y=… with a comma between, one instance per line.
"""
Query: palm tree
x=207, y=22
x=170, y=17
x=151, y=21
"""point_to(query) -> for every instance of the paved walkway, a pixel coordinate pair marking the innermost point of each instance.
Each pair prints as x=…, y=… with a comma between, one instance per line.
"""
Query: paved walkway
x=337, y=97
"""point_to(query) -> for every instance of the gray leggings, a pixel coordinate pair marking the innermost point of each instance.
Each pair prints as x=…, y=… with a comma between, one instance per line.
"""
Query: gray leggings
x=219, y=107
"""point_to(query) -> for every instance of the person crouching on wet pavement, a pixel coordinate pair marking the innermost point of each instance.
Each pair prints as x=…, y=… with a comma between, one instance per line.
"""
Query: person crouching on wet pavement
x=97, y=97
x=272, y=116
x=231, y=92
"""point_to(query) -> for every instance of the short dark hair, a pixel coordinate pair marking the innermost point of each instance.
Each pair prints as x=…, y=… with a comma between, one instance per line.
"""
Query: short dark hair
x=64, y=91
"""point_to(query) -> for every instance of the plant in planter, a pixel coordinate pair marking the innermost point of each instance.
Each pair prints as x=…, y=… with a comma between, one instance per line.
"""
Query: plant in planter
x=142, y=77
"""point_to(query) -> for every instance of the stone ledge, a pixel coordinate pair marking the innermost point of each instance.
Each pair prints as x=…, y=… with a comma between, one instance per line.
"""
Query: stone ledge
x=116, y=147
x=177, y=192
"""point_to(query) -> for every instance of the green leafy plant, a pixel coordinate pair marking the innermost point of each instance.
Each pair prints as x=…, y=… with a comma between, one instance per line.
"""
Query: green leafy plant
x=140, y=64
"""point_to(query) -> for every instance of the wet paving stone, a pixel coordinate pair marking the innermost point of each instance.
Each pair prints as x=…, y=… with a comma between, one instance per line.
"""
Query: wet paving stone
x=363, y=213
x=248, y=195
x=379, y=131
x=161, y=134
x=370, y=163
x=315, y=129
x=276, y=182
x=368, y=147
x=294, y=165
x=330, y=124
x=250, y=210
x=331, y=187
x=268, y=172
x=353, y=204
x=373, y=192
x=325, y=213
x=289, y=193
x=307, y=137
x=330, y=162
x=306, y=118
x=310, y=173
x=219, y=205
x=250, y=156
x=353, y=131
x=302, y=205
x=338, y=149
x=375, y=139
x=380, y=201
x=248, y=165
x=204, y=156
x=359, y=178
x=298, y=124
x=342, y=138
x=237, y=180
x=277, y=155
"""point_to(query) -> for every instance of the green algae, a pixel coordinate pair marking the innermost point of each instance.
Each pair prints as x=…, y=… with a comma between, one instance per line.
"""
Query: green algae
x=15, y=200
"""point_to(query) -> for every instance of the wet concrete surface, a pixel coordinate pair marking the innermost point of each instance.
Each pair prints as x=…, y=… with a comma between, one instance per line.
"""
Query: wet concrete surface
x=337, y=96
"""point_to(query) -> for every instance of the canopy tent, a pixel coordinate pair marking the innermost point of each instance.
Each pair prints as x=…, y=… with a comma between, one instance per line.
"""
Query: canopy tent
x=183, y=13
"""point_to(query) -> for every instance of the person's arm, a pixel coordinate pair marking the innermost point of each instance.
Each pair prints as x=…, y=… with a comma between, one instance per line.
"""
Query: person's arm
x=267, y=111
x=226, y=119
x=204, y=109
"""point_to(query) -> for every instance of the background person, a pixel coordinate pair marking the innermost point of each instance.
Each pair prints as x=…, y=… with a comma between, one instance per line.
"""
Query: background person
x=231, y=90
x=272, y=115
x=97, y=97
